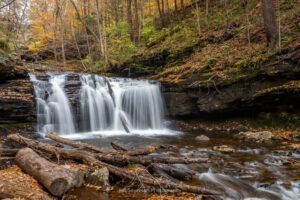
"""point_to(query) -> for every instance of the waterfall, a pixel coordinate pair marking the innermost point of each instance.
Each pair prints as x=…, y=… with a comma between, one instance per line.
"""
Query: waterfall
x=53, y=107
x=102, y=104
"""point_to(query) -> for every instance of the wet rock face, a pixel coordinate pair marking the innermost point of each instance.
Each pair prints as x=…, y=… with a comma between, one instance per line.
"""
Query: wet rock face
x=17, y=102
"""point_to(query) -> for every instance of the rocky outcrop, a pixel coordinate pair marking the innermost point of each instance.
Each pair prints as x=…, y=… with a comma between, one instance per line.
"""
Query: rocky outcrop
x=9, y=70
x=16, y=92
x=17, y=102
x=276, y=87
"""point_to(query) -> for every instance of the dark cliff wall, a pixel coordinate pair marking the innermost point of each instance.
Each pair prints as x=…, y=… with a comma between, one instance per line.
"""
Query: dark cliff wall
x=275, y=88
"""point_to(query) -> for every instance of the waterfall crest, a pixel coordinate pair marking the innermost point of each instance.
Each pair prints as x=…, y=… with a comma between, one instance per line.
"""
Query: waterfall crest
x=103, y=104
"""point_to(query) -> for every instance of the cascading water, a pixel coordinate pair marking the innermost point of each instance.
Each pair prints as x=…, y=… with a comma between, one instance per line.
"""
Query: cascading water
x=104, y=104
x=53, y=107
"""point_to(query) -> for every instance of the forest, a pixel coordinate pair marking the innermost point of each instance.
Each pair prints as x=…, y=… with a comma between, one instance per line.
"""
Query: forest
x=150, y=99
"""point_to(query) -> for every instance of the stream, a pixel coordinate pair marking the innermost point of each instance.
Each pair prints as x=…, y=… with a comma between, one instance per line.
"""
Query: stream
x=99, y=110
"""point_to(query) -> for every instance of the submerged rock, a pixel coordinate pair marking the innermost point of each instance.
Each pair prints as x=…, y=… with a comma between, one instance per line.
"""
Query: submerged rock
x=99, y=177
x=283, y=153
x=256, y=136
x=295, y=147
x=202, y=138
x=223, y=149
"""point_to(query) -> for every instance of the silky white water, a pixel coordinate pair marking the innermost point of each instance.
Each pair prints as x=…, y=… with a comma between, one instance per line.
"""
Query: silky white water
x=106, y=106
x=53, y=108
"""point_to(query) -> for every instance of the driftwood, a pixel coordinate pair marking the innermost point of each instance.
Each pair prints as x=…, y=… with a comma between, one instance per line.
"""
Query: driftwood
x=92, y=159
x=56, y=179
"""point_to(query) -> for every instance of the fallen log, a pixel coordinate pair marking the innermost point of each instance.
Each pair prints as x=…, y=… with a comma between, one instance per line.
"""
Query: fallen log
x=76, y=144
x=180, y=174
x=148, y=160
x=124, y=122
x=118, y=147
x=126, y=158
x=110, y=91
x=90, y=159
x=145, y=151
x=56, y=179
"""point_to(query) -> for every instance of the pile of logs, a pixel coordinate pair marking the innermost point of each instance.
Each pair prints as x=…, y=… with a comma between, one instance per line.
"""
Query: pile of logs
x=161, y=175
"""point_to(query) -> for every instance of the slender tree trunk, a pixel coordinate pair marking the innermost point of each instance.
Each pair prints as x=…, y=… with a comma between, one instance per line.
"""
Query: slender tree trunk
x=181, y=4
x=270, y=23
x=142, y=19
x=279, y=24
x=168, y=6
x=175, y=4
x=160, y=13
x=198, y=18
x=206, y=13
x=248, y=25
x=54, y=43
x=136, y=16
x=99, y=27
x=104, y=32
x=78, y=49
x=150, y=8
x=129, y=18
x=62, y=33
x=163, y=7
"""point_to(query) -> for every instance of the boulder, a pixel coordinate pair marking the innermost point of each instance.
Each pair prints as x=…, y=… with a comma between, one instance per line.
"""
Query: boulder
x=99, y=177
x=256, y=136
x=283, y=152
x=223, y=149
x=202, y=138
x=295, y=147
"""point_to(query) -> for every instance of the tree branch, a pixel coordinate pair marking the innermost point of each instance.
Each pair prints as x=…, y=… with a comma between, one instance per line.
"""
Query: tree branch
x=7, y=4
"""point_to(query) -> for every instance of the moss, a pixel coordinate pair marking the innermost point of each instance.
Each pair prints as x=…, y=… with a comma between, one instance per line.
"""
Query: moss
x=12, y=126
x=4, y=45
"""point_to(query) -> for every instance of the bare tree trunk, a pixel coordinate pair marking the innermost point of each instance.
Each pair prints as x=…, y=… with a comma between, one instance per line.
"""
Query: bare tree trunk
x=150, y=8
x=206, y=13
x=129, y=18
x=160, y=12
x=198, y=17
x=279, y=25
x=62, y=32
x=270, y=23
x=78, y=50
x=136, y=15
x=141, y=20
x=248, y=25
x=54, y=43
x=181, y=4
x=104, y=32
x=163, y=7
x=175, y=4
x=168, y=6
x=99, y=27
